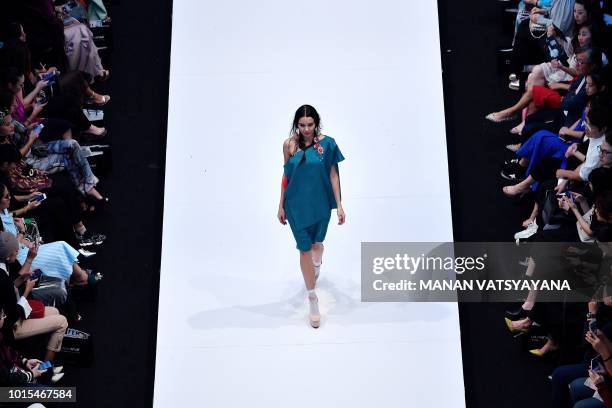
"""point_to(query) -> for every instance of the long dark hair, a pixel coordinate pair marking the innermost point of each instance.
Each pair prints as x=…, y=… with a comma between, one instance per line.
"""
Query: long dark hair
x=305, y=111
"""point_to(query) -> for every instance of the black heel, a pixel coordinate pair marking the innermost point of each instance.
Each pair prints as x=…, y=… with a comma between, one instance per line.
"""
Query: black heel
x=519, y=314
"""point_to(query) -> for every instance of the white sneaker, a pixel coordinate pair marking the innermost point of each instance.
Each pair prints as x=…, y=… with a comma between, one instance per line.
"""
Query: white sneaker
x=86, y=253
x=56, y=377
x=527, y=232
x=57, y=370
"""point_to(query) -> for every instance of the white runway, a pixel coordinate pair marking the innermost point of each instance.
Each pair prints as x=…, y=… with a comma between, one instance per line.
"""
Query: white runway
x=233, y=328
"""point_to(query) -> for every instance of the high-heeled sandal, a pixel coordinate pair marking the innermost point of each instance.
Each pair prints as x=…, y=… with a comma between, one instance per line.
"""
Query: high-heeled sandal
x=539, y=353
x=313, y=315
x=519, y=194
x=519, y=314
x=92, y=99
x=513, y=329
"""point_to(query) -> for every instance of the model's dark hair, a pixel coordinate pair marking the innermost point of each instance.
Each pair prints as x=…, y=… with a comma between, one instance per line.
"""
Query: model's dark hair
x=305, y=111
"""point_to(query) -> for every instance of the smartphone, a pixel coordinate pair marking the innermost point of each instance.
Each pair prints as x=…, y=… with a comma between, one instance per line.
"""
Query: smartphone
x=36, y=274
x=48, y=75
x=593, y=326
x=39, y=198
x=38, y=128
x=597, y=365
x=45, y=365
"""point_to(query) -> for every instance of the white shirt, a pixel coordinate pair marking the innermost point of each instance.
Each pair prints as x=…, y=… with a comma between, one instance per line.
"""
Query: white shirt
x=592, y=158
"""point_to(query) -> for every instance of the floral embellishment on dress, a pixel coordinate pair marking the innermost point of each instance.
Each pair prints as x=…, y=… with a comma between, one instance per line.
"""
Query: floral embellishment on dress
x=318, y=147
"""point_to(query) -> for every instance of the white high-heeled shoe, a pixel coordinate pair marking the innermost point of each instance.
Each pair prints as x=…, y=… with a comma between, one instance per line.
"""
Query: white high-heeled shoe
x=314, y=316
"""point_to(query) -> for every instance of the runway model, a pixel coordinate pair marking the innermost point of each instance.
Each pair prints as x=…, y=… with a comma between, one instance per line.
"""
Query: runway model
x=310, y=190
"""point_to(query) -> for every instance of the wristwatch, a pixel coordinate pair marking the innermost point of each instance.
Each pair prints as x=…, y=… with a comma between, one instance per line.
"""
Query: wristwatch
x=591, y=315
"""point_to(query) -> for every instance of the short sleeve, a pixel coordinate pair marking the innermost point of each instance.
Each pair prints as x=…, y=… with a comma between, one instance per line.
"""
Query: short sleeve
x=334, y=155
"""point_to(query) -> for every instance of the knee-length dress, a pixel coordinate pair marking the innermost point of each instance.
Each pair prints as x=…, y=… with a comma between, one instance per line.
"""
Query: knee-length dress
x=54, y=259
x=309, y=197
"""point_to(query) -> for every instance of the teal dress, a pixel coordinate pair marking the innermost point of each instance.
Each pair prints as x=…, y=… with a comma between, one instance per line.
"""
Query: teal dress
x=309, y=197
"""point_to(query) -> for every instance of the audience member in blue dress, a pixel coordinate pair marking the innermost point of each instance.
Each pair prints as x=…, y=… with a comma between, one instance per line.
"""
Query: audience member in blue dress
x=547, y=145
x=310, y=190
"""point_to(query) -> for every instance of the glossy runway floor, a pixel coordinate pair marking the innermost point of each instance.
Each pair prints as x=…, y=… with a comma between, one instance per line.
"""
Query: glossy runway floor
x=232, y=329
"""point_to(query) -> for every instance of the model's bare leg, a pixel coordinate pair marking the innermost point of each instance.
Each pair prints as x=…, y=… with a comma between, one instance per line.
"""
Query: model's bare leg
x=308, y=271
x=317, y=257
x=307, y=267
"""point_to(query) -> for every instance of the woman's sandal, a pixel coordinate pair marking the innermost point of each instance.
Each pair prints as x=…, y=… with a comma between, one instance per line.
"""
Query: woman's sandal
x=495, y=118
x=513, y=147
x=92, y=135
x=514, y=330
x=95, y=204
x=508, y=193
x=552, y=350
x=94, y=99
x=103, y=75
x=518, y=129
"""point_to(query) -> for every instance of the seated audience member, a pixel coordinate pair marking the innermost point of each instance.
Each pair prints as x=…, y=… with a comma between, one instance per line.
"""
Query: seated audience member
x=539, y=97
x=26, y=182
x=527, y=48
x=536, y=149
x=81, y=50
x=14, y=82
x=18, y=371
x=68, y=104
x=546, y=144
x=584, y=223
x=56, y=259
x=53, y=156
x=18, y=325
x=579, y=383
